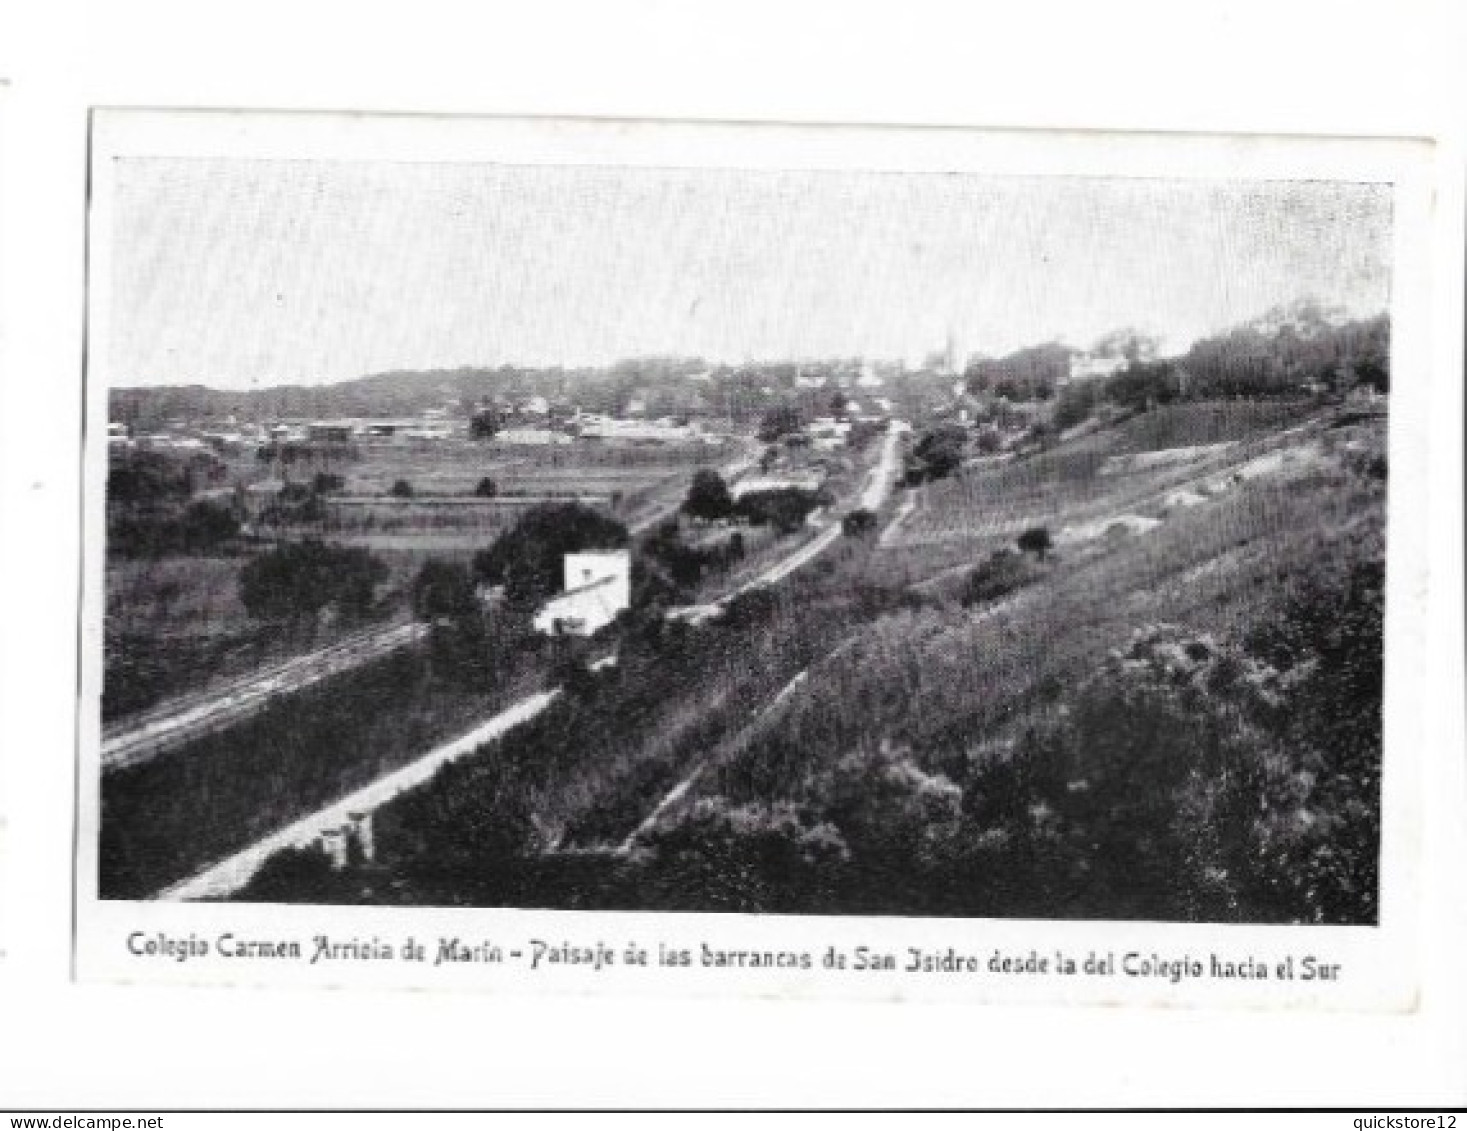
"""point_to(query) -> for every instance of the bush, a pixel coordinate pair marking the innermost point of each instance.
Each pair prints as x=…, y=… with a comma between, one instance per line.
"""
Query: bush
x=859, y=523
x=1075, y=404
x=1037, y=541
x=402, y=489
x=297, y=580
x=708, y=497
x=443, y=591
x=750, y=858
x=997, y=576
x=486, y=488
x=937, y=454
x=484, y=424
x=784, y=508
x=206, y=525
x=779, y=422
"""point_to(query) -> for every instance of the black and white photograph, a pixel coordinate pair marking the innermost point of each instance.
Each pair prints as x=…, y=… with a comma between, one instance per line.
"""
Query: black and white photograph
x=740, y=532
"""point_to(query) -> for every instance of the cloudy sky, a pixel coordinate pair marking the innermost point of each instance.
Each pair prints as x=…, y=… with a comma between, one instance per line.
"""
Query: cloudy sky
x=236, y=273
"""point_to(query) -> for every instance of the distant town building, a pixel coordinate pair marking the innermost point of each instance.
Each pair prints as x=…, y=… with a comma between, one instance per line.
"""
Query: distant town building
x=1088, y=367
x=531, y=436
x=598, y=586
x=594, y=427
x=330, y=432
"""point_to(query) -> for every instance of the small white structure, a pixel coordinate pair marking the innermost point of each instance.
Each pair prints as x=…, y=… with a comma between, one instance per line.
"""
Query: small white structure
x=795, y=480
x=1088, y=367
x=598, y=586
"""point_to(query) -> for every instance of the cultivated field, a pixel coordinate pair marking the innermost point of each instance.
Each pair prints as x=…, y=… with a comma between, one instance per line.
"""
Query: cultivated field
x=1132, y=468
x=176, y=623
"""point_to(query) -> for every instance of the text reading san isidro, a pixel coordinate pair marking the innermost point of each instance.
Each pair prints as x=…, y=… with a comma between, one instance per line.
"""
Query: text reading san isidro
x=1129, y=964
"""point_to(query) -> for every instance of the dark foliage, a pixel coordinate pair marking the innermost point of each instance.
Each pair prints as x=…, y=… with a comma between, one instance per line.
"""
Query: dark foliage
x=998, y=575
x=708, y=496
x=859, y=523
x=784, y=508
x=297, y=580
x=686, y=565
x=485, y=424
x=1037, y=541
x=780, y=421
x=1025, y=375
x=151, y=511
x=528, y=559
x=1144, y=385
x=1291, y=352
x=937, y=454
x=443, y=591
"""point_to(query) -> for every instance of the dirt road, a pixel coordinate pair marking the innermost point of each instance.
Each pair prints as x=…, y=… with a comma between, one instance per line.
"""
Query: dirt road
x=877, y=489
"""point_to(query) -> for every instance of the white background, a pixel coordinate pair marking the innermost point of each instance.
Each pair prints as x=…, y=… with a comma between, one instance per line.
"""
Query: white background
x=1330, y=67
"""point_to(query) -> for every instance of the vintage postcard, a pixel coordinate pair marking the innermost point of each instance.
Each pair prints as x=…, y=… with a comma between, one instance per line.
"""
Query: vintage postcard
x=723, y=559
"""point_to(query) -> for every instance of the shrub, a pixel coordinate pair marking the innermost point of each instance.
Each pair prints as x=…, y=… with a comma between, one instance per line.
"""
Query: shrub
x=1037, y=541
x=750, y=858
x=298, y=579
x=785, y=508
x=858, y=523
x=708, y=497
x=998, y=575
x=443, y=591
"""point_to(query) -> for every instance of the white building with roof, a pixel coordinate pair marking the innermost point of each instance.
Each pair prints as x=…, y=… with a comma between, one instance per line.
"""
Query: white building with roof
x=598, y=586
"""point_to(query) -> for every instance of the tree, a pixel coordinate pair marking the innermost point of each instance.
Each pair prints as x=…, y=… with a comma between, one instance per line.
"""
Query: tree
x=326, y=483
x=1025, y=375
x=1142, y=385
x=1075, y=404
x=206, y=524
x=402, y=489
x=784, y=508
x=859, y=523
x=998, y=575
x=484, y=424
x=780, y=421
x=1036, y=541
x=528, y=558
x=989, y=441
x=938, y=453
x=708, y=497
x=486, y=488
x=297, y=580
x=443, y=591
x=757, y=857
